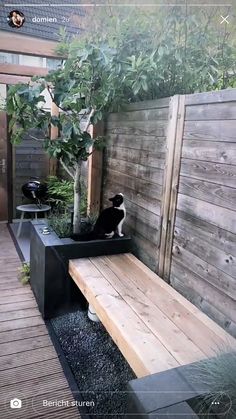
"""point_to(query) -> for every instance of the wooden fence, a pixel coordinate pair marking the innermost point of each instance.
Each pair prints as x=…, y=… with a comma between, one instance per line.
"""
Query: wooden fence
x=134, y=165
x=175, y=161
x=29, y=160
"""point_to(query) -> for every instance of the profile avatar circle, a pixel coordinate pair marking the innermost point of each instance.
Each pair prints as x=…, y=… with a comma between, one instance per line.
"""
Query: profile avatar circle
x=16, y=19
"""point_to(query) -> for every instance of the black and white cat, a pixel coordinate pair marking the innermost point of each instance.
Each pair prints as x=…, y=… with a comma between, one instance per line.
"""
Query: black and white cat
x=108, y=223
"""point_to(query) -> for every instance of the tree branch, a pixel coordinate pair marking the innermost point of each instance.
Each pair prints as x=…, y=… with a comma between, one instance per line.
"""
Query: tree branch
x=66, y=169
x=89, y=118
x=49, y=91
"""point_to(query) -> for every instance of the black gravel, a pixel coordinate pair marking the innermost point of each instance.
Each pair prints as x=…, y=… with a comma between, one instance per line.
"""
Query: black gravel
x=97, y=364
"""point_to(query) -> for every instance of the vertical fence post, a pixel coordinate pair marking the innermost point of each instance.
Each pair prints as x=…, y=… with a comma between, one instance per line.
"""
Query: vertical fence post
x=174, y=188
x=95, y=166
x=170, y=183
x=170, y=145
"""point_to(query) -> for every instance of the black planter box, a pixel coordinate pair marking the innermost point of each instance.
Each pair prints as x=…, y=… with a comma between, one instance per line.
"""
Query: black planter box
x=54, y=289
x=173, y=394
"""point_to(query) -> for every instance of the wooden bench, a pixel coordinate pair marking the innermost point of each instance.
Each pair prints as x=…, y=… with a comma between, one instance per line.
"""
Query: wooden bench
x=154, y=326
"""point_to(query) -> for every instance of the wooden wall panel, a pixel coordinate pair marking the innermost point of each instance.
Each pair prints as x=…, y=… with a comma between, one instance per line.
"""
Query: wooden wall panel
x=134, y=164
x=22, y=70
x=204, y=249
x=22, y=44
x=30, y=160
x=217, y=152
x=219, y=174
x=199, y=251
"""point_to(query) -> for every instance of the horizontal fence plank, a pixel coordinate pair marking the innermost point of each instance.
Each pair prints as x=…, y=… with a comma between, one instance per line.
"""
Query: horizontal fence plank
x=151, y=143
x=29, y=165
x=30, y=158
x=138, y=128
x=148, y=104
x=208, y=151
x=207, y=131
x=33, y=150
x=219, y=216
x=218, y=258
x=138, y=185
x=209, y=233
x=221, y=174
x=226, y=95
x=151, y=174
x=212, y=294
x=151, y=204
x=209, y=192
x=209, y=273
x=27, y=173
x=205, y=297
x=143, y=249
x=140, y=115
x=210, y=112
x=136, y=156
x=150, y=233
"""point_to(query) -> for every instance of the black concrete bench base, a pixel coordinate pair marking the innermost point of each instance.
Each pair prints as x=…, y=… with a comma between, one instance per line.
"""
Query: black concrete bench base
x=54, y=290
x=171, y=394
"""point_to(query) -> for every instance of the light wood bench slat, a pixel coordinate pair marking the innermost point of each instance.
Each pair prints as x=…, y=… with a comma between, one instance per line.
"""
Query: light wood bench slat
x=174, y=307
x=191, y=308
x=140, y=347
x=174, y=340
x=154, y=326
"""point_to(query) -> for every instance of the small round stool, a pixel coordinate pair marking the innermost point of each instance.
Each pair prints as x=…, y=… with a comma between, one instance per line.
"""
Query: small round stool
x=31, y=208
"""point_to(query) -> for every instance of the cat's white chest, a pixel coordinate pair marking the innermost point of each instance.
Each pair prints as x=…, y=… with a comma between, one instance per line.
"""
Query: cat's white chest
x=122, y=207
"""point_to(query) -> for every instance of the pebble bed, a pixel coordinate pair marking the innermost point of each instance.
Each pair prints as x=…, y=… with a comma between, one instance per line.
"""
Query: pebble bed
x=97, y=364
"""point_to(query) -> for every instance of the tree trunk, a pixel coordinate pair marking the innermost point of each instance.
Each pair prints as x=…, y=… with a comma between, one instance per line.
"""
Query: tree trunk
x=77, y=192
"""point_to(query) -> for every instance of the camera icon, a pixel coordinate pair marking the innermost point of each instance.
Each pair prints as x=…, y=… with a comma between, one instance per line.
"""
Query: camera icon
x=15, y=403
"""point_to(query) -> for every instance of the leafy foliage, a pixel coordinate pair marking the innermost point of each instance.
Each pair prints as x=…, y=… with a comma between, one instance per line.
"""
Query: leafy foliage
x=124, y=56
x=61, y=195
x=60, y=192
x=24, y=274
x=171, y=50
x=61, y=224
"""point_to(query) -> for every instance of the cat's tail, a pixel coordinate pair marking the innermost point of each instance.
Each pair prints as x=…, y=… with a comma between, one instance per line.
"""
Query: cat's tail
x=83, y=237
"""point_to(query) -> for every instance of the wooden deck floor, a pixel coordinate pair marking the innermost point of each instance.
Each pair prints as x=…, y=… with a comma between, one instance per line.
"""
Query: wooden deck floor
x=29, y=367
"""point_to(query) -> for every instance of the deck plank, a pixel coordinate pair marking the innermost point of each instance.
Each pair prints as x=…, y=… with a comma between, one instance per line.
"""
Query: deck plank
x=17, y=306
x=35, y=405
x=28, y=332
x=19, y=314
x=29, y=365
x=24, y=345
